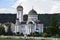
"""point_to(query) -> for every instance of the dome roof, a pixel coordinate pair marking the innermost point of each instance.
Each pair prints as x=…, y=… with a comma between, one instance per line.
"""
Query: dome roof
x=19, y=6
x=32, y=12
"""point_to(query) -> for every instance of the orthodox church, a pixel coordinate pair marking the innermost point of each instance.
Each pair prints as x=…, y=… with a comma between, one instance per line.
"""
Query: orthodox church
x=26, y=27
x=30, y=26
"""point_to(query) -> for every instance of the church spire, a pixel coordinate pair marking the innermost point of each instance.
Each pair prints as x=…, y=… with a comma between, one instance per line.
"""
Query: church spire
x=32, y=8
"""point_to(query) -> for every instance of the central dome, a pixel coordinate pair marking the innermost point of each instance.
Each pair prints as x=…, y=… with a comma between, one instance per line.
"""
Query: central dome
x=19, y=6
x=32, y=12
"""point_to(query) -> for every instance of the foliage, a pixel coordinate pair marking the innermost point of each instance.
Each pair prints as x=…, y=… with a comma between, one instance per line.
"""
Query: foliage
x=11, y=39
x=53, y=21
x=15, y=39
x=56, y=36
x=2, y=30
x=35, y=34
x=44, y=35
x=9, y=32
x=44, y=18
x=52, y=29
x=7, y=18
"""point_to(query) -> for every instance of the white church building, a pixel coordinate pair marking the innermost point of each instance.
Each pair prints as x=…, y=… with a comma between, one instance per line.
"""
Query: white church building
x=26, y=27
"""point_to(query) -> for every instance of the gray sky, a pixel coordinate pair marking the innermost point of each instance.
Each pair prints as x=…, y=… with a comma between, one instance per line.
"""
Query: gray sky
x=41, y=6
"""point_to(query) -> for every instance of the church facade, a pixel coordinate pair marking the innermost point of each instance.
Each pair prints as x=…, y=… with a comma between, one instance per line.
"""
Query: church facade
x=26, y=27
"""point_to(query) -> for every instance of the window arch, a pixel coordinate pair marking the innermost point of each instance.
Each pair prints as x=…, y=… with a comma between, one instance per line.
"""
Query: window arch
x=30, y=23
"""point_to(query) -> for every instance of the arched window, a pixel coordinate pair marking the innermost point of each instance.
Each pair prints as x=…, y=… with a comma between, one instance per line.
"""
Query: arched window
x=30, y=23
x=37, y=29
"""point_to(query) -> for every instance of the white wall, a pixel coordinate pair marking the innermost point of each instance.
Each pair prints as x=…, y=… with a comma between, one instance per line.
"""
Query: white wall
x=33, y=17
x=6, y=28
x=13, y=27
x=22, y=28
x=40, y=27
x=31, y=27
x=20, y=16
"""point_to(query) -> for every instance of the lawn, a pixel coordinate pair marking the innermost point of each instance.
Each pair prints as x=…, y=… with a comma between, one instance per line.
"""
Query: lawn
x=14, y=39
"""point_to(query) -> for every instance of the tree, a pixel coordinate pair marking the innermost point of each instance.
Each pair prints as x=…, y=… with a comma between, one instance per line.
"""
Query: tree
x=9, y=32
x=53, y=25
x=53, y=21
x=2, y=30
x=52, y=29
x=44, y=34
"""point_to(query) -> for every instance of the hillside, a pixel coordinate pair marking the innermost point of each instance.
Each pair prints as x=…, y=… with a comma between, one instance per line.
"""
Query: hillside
x=44, y=18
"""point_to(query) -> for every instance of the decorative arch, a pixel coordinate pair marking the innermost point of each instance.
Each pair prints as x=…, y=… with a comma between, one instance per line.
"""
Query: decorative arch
x=30, y=21
x=28, y=28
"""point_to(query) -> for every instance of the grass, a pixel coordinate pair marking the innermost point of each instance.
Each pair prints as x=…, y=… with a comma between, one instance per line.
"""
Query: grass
x=9, y=39
x=14, y=39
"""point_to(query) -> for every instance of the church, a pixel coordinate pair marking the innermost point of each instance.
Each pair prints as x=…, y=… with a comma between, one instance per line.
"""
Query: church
x=30, y=26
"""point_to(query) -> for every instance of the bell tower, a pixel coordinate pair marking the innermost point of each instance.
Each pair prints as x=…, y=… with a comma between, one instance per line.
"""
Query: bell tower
x=20, y=13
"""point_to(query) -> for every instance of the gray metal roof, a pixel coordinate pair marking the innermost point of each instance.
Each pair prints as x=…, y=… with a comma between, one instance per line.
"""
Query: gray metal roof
x=19, y=6
x=32, y=12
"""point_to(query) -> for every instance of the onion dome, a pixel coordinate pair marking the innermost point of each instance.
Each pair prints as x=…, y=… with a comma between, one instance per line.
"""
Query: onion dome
x=19, y=6
x=32, y=12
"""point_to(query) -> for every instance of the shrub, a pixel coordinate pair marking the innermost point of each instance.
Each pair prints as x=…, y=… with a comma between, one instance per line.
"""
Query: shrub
x=2, y=30
x=44, y=34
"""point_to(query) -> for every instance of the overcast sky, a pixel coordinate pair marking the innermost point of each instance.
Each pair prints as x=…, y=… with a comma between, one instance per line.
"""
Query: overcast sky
x=41, y=6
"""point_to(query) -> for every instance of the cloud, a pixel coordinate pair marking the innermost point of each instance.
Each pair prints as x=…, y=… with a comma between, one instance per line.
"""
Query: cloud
x=18, y=2
x=23, y=2
x=5, y=10
x=40, y=6
x=55, y=8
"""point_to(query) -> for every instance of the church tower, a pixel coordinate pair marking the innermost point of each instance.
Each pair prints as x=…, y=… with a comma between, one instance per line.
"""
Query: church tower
x=20, y=13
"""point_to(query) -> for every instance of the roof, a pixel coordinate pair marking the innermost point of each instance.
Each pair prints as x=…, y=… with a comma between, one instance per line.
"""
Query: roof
x=19, y=6
x=32, y=12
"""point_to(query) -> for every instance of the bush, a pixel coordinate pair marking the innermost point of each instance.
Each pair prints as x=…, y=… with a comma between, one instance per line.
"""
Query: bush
x=19, y=34
x=2, y=30
x=56, y=36
x=35, y=34
x=44, y=34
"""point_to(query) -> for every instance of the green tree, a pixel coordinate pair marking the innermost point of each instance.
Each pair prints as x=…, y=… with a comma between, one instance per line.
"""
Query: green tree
x=44, y=34
x=9, y=32
x=2, y=30
x=53, y=21
x=52, y=29
x=53, y=25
